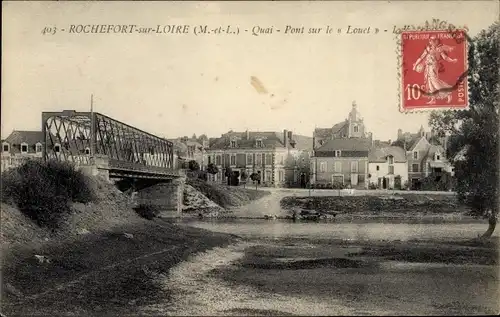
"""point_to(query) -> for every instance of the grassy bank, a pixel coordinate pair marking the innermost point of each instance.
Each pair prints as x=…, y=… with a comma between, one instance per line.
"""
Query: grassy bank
x=112, y=272
x=83, y=255
x=401, y=203
x=52, y=201
x=226, y=196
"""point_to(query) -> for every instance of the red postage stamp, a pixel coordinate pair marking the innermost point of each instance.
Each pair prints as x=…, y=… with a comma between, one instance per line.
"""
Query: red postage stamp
x=433, y=70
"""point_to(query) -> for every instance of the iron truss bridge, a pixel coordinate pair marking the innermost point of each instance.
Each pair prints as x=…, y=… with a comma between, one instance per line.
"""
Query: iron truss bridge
x=87, y=137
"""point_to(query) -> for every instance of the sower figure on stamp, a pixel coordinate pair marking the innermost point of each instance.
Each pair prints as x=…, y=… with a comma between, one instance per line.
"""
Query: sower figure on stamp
x=429, y=63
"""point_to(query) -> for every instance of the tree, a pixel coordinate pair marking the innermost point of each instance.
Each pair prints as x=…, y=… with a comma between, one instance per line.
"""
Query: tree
x=193, y=165
x=244, y=177
x=229, y=174
x=212, y=169
x=256, y=178
x=399, y=142
x=474, y=132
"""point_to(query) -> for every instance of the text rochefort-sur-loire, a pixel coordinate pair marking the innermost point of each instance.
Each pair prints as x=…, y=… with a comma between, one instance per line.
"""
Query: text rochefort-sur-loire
x=127, y=28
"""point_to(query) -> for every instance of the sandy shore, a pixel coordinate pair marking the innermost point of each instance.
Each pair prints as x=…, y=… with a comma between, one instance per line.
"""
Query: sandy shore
x=291, y=277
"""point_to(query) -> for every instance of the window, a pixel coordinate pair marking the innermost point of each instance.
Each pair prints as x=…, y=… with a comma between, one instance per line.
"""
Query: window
x=87, y=151
x=391, y=159
x=233, y=159
x=354, y=167
x=250, y=159
x=414, y=168
x=258, y=143
x=282, y=159
x=322, y=167
x=338, y=153
x=24, y=148
x=258, y=159
x=57, y=148
x=218, y=160
x=378, y=168
x=269, y=159
x=281, y=176
x=356, y=128
x=38, y=148
x=437, y=157
x=391, y=169
x=233, y=143
x=209, y=160
x=415, y=155
x=6, y=148
x=268, y=176
x=338, y=167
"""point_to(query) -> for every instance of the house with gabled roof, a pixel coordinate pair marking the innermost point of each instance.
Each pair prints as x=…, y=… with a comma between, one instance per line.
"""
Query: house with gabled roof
x=352, y=127
x=21, y=145
x=387, y=167
x=187, y=149
x=424, y=156
x=342, y=161
x=280, y=158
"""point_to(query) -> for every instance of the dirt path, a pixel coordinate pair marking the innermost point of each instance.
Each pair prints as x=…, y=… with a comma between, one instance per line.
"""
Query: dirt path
x=196, y=292
x=283, y=278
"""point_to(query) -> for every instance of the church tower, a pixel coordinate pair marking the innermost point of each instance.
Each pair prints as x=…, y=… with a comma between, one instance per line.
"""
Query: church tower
x=356, y=126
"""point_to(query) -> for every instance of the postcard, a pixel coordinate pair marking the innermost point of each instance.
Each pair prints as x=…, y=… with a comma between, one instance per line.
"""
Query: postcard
x=250, y=158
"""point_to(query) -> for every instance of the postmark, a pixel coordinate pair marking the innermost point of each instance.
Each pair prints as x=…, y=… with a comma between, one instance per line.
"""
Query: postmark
x=433, y=68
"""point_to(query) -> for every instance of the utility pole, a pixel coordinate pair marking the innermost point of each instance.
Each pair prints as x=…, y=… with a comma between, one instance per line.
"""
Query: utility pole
x=92, y=127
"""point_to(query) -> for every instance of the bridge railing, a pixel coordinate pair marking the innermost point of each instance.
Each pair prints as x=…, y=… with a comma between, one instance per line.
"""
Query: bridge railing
x=77, y=136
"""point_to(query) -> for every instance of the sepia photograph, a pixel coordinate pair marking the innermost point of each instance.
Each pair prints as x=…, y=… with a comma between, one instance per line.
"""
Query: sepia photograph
x=250, y=158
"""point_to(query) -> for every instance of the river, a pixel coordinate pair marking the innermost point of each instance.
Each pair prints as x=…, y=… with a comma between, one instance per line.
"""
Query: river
x=382, y=229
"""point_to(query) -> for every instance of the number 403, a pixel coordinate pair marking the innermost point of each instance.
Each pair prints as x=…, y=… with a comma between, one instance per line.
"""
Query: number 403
x=413, y=91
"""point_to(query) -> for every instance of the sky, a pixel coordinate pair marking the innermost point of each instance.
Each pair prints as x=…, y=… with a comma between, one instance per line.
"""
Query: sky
x=182, y=84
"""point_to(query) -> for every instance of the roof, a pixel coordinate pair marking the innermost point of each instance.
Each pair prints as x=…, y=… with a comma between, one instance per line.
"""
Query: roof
x=435, y=149
x=29, y=137
x=269, y=140
x=346, y=144
x=328, y=132
x=380, y=154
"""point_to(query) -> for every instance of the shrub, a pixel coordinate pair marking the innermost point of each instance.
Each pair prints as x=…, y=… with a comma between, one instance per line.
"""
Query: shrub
x=372, y=186
x=203, y=175
x=147, y=211
x=193, y=165
x=212, y=169
x=43, y=191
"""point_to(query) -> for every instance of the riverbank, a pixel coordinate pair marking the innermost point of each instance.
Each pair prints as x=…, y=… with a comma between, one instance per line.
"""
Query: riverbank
x=291, y=276
x=102, y=257
x=112, y=272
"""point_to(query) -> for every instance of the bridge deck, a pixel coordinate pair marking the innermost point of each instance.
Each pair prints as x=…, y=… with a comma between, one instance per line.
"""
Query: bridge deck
x=121, y=168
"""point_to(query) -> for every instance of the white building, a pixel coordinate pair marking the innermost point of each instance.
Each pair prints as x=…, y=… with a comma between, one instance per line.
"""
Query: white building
x=20, y=146
x=387, y=167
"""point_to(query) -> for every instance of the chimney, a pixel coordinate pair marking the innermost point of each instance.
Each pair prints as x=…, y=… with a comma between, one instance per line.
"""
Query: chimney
x=290, y=136
x=248, y=134
x=400, y=134
x=285, y=137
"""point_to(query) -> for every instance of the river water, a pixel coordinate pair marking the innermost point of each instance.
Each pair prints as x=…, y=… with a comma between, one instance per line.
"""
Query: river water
x=357, y=230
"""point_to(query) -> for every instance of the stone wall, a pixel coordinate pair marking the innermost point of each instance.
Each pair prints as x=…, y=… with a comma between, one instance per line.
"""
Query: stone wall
x=167, y=197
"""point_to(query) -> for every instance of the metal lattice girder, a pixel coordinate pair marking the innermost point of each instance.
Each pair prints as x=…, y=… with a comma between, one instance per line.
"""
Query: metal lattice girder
x=68, y=137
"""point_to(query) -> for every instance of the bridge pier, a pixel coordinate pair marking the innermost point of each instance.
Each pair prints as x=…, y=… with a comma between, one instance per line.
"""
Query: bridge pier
x=98, y=166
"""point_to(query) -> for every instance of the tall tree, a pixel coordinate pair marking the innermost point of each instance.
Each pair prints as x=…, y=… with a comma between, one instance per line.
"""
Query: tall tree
x=474, y=132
